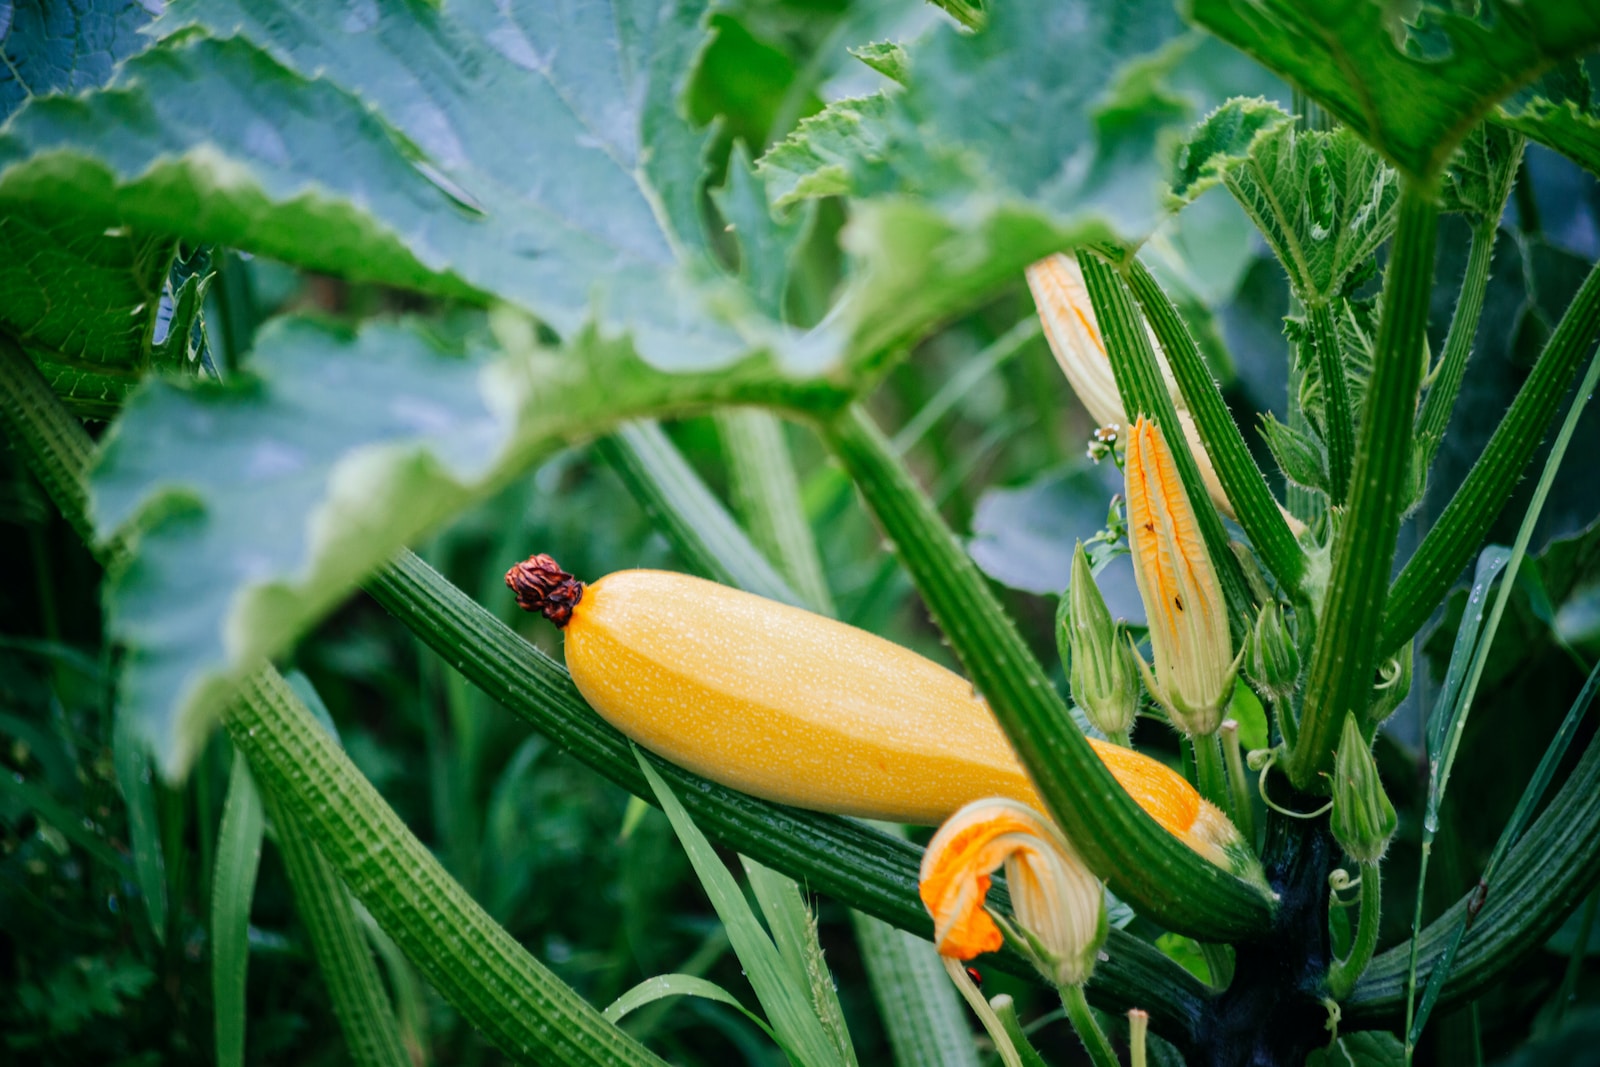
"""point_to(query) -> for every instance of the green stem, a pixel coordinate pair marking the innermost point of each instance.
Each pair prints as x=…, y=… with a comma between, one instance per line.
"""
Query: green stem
x=1210, y=773
x=355, y=989
x=1239, y=782
x=1247, y=490
x=1342, y=975
x=1345, y=653
x=1441, y=398
x=1147, y=866
x=766, y=495
x=1466, y=519
x=1219, y=963
x=1338, y=419
x=1089, y=1032
x=1144, y=392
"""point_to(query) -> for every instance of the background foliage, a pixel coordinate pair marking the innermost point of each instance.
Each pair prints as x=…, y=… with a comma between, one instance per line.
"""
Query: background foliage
x=427, y=318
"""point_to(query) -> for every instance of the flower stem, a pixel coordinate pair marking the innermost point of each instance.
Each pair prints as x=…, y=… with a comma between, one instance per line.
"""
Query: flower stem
x=1089, y=1032
x=1213, y=780
x=1343, y=974
x=1238, y=782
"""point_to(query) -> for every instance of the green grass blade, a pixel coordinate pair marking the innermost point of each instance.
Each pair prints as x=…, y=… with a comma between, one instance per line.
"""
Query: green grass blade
x=680, y=985
x=1442, y=753
x=232, y=889
x=1144, y=392
x=134, y=778
x=1146, y=866
x=1460, y=529
x=686, y=512
x=1345, y=652
x=1543, y=877
x=787, y=1002
x=794, y=931
x=1247, y=490
x=995, y=355
x=766, y=495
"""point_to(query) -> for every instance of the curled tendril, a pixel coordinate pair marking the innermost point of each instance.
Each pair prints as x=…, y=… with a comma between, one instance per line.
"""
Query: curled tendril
x=1262, y=760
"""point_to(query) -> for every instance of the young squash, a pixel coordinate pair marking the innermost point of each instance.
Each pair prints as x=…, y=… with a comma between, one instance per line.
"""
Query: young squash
x=794, y=707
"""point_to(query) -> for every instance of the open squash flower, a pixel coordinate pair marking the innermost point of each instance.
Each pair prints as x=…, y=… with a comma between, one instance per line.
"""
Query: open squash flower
x=1060, y=905
x=1195, y=663
x=1074, y=335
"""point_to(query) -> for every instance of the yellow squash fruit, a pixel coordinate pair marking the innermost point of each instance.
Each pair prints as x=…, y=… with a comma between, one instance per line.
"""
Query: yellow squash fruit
x=797, y=708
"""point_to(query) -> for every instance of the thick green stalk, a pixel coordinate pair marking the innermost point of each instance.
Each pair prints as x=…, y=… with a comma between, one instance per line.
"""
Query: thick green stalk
x=1338, y=419
x=1247, y=490
x=1343, y=974
x=474, y=963
x=1146, y=866
x=1441, y=398
x=470, y=959
x=844, y=858
x=1346, y=649
x=355, y=988
x=1466, y=519
x=1144, y=392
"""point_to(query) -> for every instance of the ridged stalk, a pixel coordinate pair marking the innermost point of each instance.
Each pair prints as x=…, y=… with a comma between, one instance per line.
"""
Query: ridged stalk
x=1144, y=391
x=1346, y=649
x=366, y=1018
x=1247, y=490
x=1338, y=418
x=1441, y=398
x=1145, y=865
x=848, y=860
x=1466, y=519
x=473, y=962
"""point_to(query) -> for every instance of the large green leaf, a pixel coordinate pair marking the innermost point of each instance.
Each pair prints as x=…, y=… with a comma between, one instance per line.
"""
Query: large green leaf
x=1412, y=89
x=93, y=306
x=483, y=150
x=260, y=505
x=1049, y=128
x=1323, y=200
x=1560, y=112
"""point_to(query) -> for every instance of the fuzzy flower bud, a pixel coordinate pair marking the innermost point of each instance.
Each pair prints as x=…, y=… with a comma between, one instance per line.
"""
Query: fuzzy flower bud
x=1194, y=659
x=1363, y=819
x=1060, y=904
x=1104, y=680
x=1271, y=661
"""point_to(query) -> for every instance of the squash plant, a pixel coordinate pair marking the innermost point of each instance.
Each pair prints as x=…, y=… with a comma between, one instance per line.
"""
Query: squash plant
x=555, y=187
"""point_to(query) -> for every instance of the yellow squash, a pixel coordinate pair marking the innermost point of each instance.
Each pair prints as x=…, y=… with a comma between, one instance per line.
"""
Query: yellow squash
x=794, y=707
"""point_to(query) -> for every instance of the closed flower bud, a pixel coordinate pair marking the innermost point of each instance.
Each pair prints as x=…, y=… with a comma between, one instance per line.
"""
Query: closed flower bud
x=1194, y=660
x=1394, y=682
x=1363, y=819
x=1059, y=903
x=1271, y=661
x=1102, y=675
